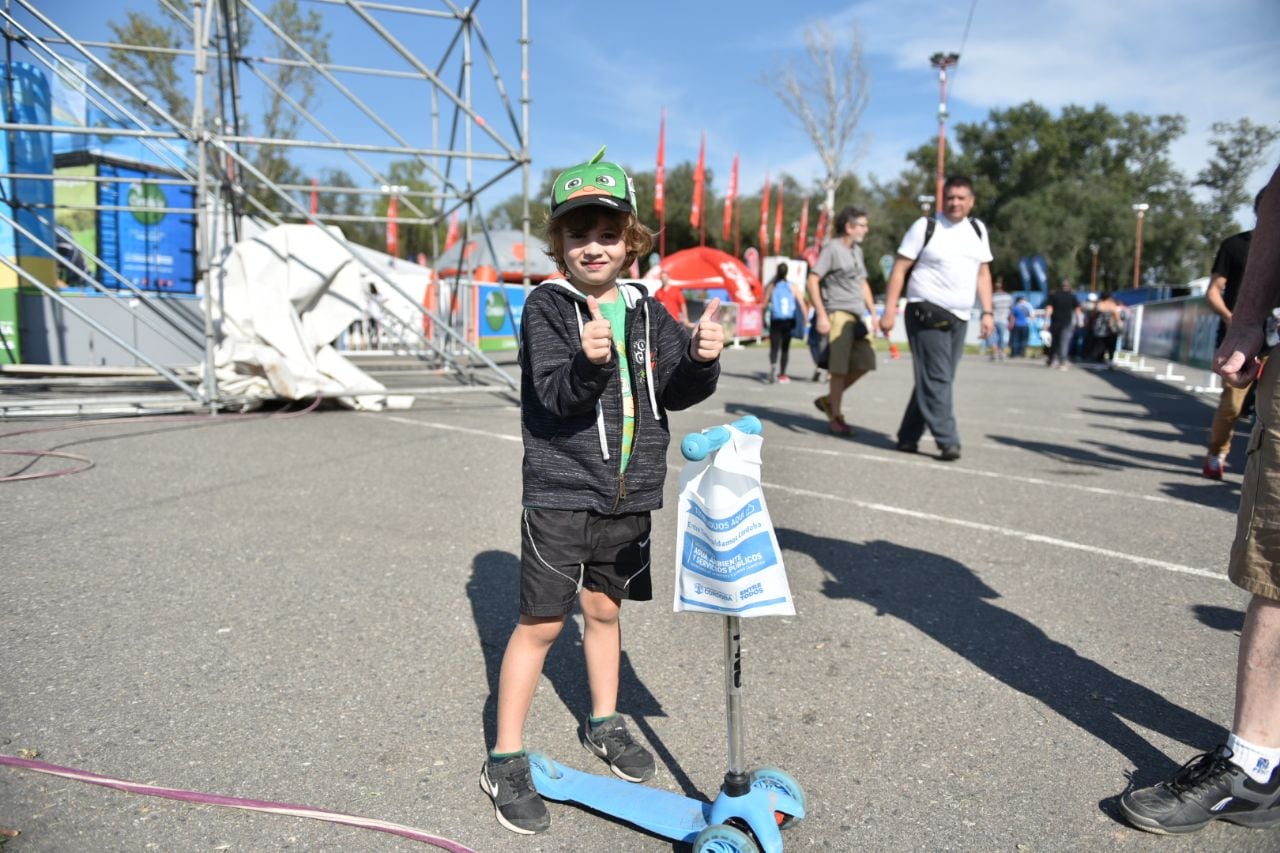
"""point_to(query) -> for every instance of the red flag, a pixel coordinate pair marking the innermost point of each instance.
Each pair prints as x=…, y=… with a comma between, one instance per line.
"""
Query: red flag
x=777, y=225
x=699, y=178
x=659, y=180
x=393, y=230
x=315, y=198
x=451, y=236
x=822, y=227
x=803, y=236
x=764, y=217
x=730, y=198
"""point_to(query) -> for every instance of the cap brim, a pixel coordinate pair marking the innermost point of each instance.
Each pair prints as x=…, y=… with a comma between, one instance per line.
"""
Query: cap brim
x=605, y=201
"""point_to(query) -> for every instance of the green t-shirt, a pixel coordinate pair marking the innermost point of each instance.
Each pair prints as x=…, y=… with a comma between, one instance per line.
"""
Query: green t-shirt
x=616, y=313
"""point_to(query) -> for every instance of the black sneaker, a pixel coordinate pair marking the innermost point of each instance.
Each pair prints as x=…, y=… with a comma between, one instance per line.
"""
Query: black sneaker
x=612, y=742
x=950, y=453
x=907, y=447
x=1207, y=788
x=509, y=784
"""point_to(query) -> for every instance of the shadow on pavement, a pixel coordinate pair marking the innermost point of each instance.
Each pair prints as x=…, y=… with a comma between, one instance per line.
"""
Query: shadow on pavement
x=1219, y=618
x=801, y=424
x=946, y=601
x=494, y=592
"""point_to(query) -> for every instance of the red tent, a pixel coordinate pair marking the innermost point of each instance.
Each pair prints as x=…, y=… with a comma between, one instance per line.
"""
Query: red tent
x=704, y=268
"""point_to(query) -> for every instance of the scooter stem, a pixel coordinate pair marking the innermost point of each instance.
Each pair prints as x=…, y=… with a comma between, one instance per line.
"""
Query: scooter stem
x=736, y=781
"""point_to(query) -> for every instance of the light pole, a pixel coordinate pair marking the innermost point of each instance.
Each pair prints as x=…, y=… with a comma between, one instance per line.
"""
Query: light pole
x=1093, y=274
x=942, y=61
x=1141, y=210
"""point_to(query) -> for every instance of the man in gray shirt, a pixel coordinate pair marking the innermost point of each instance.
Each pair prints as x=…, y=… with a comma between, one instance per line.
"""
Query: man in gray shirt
x=841, y=295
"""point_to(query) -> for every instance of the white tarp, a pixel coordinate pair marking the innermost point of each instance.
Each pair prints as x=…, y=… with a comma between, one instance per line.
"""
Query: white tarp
x=286, y=295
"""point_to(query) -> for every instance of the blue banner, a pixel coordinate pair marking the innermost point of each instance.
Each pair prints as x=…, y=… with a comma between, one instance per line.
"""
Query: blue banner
x=152, y=248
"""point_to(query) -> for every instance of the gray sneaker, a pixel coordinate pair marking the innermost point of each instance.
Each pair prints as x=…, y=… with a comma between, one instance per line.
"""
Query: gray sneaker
x=509, y=784
x=1207, y=788
x=613, y=742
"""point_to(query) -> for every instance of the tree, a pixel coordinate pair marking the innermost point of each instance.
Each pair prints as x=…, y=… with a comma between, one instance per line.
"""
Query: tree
x=1239, y=150
x=1052, y=186
x=827, y=95
x=287, y=83
x=164, y=75
x=157, y=75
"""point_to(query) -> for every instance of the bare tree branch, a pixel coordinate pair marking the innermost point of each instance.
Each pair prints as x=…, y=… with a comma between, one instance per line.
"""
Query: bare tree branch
x=827, y=95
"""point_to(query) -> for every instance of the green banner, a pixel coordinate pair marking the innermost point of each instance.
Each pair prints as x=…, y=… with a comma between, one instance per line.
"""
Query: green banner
x=9, y=351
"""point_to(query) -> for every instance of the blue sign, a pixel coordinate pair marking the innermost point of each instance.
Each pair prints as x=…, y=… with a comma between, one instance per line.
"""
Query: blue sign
x=152, y=248
x=1024, y=272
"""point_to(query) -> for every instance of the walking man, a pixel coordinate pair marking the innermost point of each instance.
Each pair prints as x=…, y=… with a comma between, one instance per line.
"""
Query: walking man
x=841, y=294
x=1224, y=285
x=1061, y=309
x=942, y=262
x=1239, y=781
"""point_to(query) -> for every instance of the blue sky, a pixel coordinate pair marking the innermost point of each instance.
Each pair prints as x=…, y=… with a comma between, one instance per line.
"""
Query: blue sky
x=602, y=72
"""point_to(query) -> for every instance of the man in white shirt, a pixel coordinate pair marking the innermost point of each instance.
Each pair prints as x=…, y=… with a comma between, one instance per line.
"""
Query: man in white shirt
x=942, y=262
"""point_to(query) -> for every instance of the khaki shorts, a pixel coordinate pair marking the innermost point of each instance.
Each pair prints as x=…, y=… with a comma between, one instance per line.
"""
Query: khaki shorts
x=847, y=355
x=1255, y=553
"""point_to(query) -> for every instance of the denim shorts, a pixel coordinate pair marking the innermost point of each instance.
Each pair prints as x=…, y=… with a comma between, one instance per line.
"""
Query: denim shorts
x=1255, y=553
x=563, y=552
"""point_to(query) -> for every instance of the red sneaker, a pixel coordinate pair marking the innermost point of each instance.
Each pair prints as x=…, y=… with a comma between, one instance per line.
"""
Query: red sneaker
x=1212, y=467
x=839, y=427
x=784, y=378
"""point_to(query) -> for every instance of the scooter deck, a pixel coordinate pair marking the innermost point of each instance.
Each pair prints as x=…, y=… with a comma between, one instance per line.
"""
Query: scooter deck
x=664, y=813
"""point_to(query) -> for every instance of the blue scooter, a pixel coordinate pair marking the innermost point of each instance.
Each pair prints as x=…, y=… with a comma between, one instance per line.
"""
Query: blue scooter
x=752, y=807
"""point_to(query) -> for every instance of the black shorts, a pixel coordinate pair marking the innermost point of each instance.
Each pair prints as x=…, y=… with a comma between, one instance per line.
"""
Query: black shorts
x=565, y=551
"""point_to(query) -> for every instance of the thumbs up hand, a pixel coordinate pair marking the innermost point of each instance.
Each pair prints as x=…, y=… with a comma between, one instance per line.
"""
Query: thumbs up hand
x=708, y=334
x=597, y=335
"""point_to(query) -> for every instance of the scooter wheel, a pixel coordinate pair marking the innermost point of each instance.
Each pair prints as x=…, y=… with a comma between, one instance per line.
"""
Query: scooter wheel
x=722, y=838
x=773, y=779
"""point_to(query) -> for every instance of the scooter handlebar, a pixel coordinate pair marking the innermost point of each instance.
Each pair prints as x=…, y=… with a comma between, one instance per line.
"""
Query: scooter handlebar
x=696, y=445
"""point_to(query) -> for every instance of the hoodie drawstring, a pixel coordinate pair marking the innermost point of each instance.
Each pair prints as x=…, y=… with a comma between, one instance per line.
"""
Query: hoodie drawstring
x=651, y=366
x=604, y=444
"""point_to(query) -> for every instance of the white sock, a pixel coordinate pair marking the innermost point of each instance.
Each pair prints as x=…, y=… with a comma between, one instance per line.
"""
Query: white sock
x=1257, y=761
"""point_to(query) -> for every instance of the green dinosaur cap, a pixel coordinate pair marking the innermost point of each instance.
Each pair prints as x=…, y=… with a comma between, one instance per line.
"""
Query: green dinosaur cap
x=594, y=182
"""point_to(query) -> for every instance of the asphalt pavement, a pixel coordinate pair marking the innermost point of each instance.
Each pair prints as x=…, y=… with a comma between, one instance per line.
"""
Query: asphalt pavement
x=311, y=609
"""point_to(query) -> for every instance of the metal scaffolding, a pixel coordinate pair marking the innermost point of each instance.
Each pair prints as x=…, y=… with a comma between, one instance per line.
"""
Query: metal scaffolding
x=382, y=118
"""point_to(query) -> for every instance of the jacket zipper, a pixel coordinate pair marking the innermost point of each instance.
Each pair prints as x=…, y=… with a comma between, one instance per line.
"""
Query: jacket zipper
x=622, y=415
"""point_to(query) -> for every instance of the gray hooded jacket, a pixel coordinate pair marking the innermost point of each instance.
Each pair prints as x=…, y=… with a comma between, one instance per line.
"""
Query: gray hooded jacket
x=571, y=409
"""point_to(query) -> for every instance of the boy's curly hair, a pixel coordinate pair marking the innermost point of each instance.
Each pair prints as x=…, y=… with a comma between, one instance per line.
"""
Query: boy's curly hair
x=637, y=236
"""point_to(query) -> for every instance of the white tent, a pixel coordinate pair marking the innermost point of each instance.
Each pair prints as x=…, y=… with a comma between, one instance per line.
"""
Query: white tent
x=286, y=295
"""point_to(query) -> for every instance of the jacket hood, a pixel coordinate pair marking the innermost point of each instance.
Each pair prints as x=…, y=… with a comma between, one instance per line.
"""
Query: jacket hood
x=630, y=293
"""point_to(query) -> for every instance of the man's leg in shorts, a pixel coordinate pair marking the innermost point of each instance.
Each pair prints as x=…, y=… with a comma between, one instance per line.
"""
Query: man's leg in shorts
x=1255, y=567
x=1230, y=404
x=1257, y=717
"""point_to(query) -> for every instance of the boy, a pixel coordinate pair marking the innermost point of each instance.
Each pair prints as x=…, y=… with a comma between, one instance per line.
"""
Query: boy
x=594, y=465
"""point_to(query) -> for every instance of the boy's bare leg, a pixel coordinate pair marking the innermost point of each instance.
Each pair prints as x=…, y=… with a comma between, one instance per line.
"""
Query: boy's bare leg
x=1257, y=717
x=521, y=669
x=602, y=646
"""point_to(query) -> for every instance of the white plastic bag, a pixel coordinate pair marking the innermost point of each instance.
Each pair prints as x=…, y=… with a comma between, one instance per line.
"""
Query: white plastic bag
x=727, y=555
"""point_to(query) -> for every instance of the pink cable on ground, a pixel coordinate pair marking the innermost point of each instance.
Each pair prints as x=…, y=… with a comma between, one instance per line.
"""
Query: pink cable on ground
x=235, y=803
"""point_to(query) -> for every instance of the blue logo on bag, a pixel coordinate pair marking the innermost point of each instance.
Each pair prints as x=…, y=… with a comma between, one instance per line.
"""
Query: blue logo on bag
x=752, y=555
